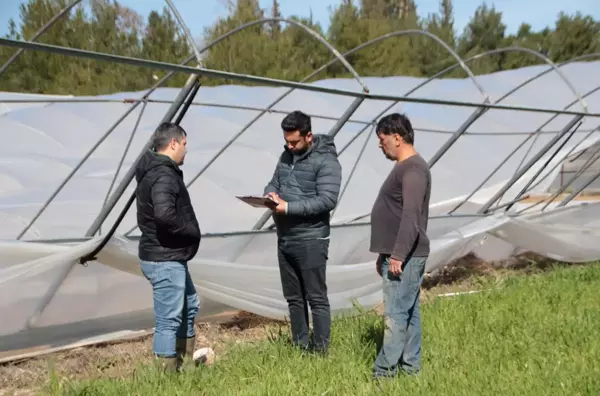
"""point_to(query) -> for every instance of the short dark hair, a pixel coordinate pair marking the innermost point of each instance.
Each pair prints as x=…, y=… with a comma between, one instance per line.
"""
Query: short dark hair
x=296, y=121
x=165, y=133
x=396, y=123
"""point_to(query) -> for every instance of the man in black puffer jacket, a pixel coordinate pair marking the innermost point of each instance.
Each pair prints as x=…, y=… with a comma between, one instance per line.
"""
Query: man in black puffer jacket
x=170, y=238
x=306, y=185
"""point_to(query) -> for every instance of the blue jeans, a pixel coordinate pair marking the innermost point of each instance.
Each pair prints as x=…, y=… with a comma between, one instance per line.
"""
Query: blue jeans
x=176, y=304
x=401, y=349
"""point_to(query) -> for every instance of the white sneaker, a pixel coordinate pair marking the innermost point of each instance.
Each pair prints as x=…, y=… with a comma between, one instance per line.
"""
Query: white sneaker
x=204, y=356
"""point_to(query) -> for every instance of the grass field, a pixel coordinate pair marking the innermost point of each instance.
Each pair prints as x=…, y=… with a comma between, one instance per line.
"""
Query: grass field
x=525, y=335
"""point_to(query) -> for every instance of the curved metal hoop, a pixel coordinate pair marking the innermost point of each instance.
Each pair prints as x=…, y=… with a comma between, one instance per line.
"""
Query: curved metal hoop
x=338, y=57
x=166, y=77
x=317, y=36
x=37, y=34
x=554, y=67
x=414, y=32
x=545, y=59
x=536, y=133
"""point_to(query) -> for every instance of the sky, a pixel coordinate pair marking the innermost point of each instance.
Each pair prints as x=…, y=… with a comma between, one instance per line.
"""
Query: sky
x=199, y=14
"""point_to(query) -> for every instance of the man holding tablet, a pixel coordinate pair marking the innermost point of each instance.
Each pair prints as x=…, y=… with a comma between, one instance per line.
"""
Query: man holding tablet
x=305, y=187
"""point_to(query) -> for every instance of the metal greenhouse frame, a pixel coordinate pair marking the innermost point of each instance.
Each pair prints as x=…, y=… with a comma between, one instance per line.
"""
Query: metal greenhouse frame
x=186, y=98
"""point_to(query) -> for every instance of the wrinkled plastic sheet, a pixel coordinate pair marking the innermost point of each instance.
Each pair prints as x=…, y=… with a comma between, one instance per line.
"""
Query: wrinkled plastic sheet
x=240, y=272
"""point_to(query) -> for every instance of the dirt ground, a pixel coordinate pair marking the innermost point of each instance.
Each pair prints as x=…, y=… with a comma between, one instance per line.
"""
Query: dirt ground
x=119, y=359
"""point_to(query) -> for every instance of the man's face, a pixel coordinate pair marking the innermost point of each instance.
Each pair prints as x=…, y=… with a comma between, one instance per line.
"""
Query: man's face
x=389, y=145
x=297, y=143
x=178, y=150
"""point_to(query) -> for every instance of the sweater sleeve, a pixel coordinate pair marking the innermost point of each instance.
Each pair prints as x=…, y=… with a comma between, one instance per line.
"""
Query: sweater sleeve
x=414, y=188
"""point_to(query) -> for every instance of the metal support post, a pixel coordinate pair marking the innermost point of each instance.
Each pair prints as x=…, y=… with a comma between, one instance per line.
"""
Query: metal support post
x=537, y=183
x=579, y=190
x=75, y=169
x=463, y=128
x=529, y=164
x=563, y=187
x=120, y=189
x=125, y=151
x=51, y=292
x=539, y=171
x=591, y=161
x=186, y=32
x=265, y=80
x=37, y=34
x=358, y=158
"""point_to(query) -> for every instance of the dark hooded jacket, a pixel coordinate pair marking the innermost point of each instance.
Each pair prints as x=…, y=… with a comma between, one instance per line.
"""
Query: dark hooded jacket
x=310, y=184
x=170, y=230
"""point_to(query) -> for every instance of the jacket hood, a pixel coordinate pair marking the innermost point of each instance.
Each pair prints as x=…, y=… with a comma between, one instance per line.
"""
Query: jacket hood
x=322, y=144
x=152, y=160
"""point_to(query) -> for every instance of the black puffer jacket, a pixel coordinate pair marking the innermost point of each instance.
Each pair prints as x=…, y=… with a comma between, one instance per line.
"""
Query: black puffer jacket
x=170, y=231
x=310, y=184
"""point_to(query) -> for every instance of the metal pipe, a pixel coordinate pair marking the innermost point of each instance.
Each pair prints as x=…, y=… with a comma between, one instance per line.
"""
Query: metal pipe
x=358, y=158
x=537, y=183
x=479, y=112
x=129, y=175
x=267, y=214
x=541, y=169
x=122, y=159
x=266, y=110
x=186, y=32
x=308, y=30
x=509, y=203
x=518, y=87
x=591, y=161
x=186, y=105
x=579, y=190
x=549, y=199
x=37, y=34
x=537, y=131
x=489, y=176
x=228, y=234
x=459, y=132
x=74, y=170
x=106, y=209
x=268, y=81
x=530, y=163
x=127, y=112
x=51, y=292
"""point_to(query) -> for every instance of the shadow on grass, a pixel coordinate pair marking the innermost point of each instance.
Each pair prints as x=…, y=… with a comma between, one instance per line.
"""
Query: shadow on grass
x=373, y=335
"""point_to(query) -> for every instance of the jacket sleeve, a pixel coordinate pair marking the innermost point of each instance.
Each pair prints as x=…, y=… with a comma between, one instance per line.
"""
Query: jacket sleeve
x=164, y=197
x=329, y=180
x=273, y=185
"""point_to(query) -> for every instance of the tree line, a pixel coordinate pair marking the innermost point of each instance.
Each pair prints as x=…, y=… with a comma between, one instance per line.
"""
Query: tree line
x=276, y=50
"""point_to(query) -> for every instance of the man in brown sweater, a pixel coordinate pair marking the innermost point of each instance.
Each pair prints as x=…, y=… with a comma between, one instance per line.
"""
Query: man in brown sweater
x=399, y=235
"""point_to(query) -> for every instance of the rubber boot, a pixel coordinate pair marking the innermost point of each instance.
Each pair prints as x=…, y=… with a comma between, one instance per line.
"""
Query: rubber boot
x=169, y=364
x=189, y=348
x=185, y=350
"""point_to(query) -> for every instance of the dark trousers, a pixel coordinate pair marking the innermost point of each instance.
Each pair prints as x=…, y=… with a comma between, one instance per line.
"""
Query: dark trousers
x=302, y=266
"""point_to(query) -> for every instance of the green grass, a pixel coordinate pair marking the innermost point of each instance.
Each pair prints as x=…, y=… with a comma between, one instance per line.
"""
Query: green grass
x=534, y=335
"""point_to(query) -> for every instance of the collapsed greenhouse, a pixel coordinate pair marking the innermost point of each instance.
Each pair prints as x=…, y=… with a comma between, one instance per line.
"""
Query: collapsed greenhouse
x=514, y=167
